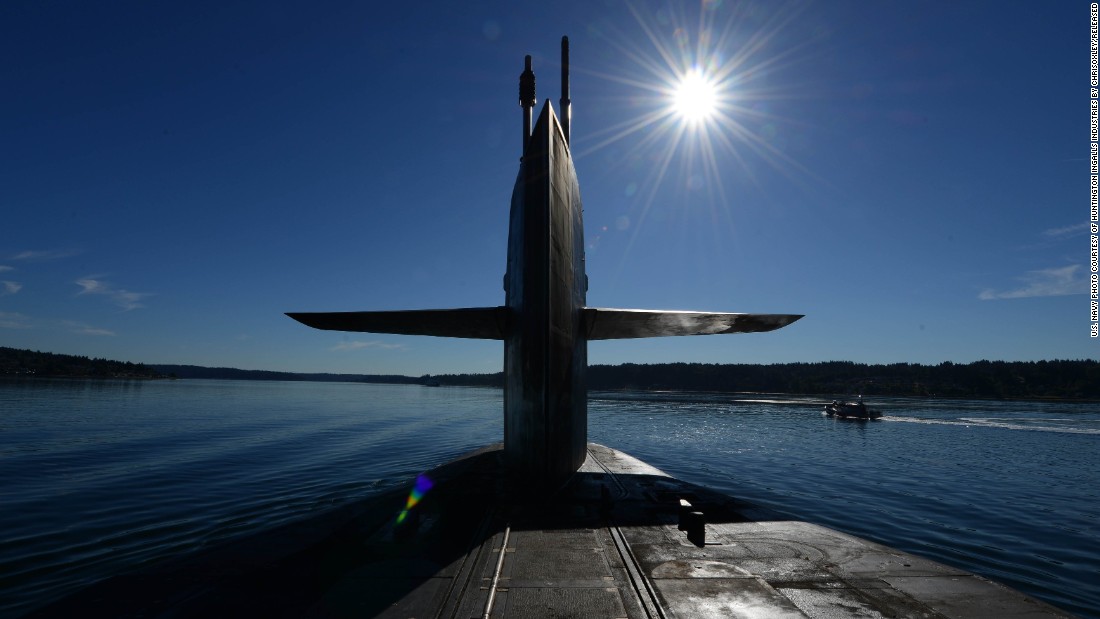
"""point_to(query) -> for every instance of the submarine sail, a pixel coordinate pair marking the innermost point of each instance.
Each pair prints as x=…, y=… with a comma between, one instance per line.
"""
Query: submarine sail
x=545, y=323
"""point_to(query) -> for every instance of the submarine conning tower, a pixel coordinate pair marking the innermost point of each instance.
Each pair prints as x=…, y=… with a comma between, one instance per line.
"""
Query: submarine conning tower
x=545, y=349
x=545, y=324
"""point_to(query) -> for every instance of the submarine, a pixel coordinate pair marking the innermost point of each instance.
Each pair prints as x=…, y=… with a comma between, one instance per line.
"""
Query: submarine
x=544, y=523
x=544, y=323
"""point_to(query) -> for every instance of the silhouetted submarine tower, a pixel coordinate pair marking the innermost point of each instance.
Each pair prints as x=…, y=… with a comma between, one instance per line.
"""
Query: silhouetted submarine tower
x=545, y=323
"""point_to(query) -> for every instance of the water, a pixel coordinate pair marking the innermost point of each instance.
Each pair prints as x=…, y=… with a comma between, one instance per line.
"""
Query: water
x=101, y=477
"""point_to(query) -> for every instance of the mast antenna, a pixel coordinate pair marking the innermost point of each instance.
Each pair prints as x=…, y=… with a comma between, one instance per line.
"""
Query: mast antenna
x=564, y=103
x=527, y=98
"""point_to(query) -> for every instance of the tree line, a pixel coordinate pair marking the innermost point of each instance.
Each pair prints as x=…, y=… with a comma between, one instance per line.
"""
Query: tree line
x=1070, y=379
x=28, y=363
x=980, y=379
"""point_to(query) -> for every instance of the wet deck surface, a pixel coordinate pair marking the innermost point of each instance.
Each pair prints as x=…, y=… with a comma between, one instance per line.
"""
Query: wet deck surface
x=609, y=545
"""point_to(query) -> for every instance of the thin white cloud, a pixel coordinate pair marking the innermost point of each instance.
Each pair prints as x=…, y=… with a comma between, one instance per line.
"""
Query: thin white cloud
x=12, y=320
x=8, y=287
x=1043, y=283
x=6, y=268
x=45, y=254
x=361, y=345
x=1065, y=231
x=123, y=298
x=85, y=329
x=91, y=286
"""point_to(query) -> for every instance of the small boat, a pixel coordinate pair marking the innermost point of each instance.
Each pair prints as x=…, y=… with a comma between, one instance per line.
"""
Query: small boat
x=851, y=410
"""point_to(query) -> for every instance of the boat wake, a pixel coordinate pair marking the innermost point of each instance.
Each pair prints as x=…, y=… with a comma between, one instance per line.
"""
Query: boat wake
x=1063, y=425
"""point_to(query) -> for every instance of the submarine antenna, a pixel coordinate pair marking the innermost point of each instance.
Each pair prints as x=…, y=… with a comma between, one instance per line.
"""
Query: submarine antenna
x=564, y=103
x=527, y=98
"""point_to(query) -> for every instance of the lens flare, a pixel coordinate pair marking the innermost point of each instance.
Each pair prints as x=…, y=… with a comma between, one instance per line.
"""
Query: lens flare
x=420, y=488
x=697, y=86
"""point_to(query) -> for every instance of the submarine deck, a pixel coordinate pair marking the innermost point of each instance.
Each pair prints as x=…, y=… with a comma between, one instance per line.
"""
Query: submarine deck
x=609, y=544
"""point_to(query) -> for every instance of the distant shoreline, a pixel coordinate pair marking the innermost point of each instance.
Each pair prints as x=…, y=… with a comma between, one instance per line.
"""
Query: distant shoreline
x=80, y=377
x=412, y=381
x=1059, y=380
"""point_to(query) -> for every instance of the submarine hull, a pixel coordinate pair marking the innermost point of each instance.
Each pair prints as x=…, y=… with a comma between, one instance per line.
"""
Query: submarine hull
x=616, y=541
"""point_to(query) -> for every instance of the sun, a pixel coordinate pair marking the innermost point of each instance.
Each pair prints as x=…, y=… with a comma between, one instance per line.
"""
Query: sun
x=695, y=97
x=703, y=93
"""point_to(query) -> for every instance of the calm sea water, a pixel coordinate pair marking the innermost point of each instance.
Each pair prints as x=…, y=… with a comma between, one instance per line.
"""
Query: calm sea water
x=100, y=477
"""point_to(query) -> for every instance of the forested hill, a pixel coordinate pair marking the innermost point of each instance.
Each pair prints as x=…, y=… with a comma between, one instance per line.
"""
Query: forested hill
x=981, y=379
x=15, y=362
x=197, y=371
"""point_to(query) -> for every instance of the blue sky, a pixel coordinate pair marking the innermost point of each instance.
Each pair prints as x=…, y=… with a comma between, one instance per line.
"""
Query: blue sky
x=912, y=176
